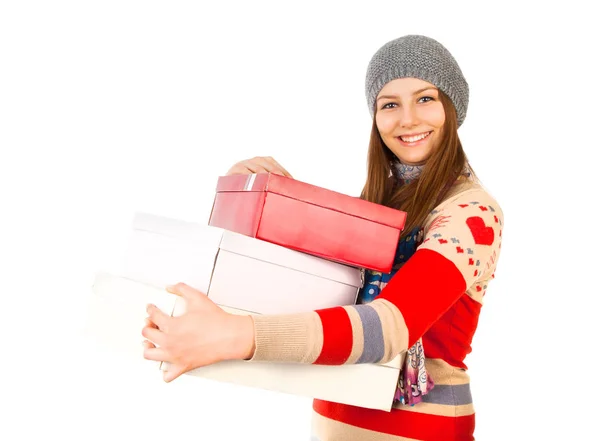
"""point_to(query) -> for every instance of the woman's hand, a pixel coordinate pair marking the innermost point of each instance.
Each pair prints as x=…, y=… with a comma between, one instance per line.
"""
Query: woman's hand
x=203, y=335
x=259, y=164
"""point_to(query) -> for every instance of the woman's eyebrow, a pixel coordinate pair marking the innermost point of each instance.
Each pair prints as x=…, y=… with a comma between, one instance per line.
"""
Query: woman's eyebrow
x=424, y=89
x=383, y=97
x=414, y=93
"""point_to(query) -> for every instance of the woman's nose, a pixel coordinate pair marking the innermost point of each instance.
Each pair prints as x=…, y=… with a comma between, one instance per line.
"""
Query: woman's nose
x=408, y=117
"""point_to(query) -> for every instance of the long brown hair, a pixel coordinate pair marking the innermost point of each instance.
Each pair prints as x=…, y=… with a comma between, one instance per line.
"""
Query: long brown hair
x=419, y=197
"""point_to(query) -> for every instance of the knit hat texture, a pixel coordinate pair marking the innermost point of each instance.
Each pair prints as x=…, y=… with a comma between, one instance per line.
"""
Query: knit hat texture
x=420, y=57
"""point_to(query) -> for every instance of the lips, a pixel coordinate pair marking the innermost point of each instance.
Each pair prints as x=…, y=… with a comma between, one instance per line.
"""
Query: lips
x=414, y=137
x=414, y=140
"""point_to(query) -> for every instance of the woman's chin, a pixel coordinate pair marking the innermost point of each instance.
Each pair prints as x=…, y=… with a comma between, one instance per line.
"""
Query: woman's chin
x=412, y=159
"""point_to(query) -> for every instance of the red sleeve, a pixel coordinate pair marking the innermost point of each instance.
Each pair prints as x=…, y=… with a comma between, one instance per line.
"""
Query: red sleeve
x=423, y=290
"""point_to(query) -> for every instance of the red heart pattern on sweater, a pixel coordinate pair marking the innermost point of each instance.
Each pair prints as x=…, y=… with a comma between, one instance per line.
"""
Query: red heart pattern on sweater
x=482, y=234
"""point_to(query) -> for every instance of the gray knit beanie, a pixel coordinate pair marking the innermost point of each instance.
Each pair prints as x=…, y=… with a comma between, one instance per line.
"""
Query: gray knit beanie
x=420, y=57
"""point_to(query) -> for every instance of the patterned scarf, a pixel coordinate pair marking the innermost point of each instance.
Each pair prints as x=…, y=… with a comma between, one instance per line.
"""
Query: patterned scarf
x=414, y=381
x=406, y=173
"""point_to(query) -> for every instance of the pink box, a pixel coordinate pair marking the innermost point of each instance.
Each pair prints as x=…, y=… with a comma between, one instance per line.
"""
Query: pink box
x=308, y=218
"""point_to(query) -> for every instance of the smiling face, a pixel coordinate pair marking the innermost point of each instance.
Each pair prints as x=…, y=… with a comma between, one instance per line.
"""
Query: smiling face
x=410, y=118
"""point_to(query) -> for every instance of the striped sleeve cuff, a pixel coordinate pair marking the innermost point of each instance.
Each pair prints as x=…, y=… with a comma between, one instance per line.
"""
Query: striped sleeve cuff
x=373, y=333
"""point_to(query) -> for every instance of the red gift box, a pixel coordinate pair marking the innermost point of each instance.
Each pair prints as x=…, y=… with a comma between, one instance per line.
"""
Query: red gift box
x=309, y=219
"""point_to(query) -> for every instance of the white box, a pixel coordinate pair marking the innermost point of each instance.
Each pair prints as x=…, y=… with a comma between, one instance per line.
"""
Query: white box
x=235, y=270
x=117, y=313
x=365, y=385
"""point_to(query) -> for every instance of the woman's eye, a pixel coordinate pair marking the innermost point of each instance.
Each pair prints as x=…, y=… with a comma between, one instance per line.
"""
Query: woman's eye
x=388, y=106
x=425, y=99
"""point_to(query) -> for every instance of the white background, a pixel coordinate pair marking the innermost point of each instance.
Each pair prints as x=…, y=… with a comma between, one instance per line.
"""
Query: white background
x=112, y=107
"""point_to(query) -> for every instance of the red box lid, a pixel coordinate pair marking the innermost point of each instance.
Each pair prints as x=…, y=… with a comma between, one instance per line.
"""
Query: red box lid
x=312, y=194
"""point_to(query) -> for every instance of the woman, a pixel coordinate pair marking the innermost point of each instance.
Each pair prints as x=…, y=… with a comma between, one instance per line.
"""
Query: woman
x=428, y=305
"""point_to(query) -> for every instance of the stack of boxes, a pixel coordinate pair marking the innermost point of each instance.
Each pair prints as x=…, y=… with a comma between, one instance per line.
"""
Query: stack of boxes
x=273, y=245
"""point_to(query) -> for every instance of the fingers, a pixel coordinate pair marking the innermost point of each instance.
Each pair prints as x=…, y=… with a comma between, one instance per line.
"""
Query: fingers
x=185, y=291
x=259, y=164
x=173, y=372
x=278, y=166
x=256, y=167
x=267, y=163
x=154, y=335
x=243, y=168
x=154, y=353
x=151, y=352
x=156, y=316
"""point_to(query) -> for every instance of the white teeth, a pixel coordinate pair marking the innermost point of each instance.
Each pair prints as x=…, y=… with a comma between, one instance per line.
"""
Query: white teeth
x=414, y=138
